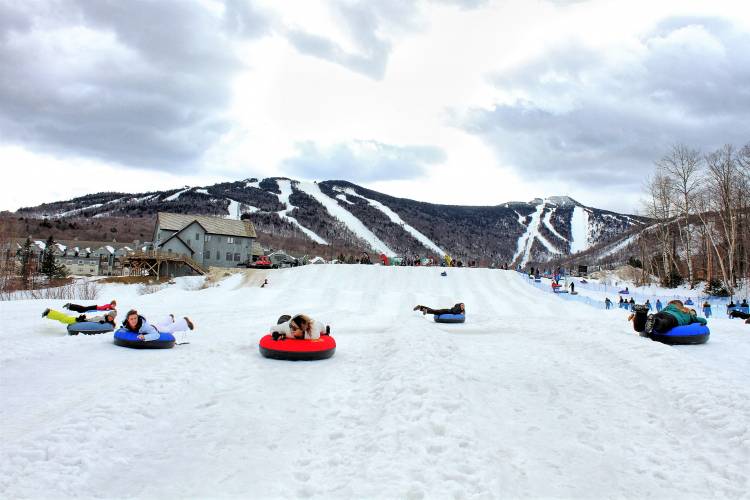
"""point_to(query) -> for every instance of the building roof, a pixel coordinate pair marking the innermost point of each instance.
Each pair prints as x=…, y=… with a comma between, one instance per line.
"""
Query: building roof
x=213, y=225
x=62, y=246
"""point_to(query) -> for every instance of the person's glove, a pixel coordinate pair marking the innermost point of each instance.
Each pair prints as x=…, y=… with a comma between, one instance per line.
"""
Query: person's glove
x=81, y=318
x=278, y=336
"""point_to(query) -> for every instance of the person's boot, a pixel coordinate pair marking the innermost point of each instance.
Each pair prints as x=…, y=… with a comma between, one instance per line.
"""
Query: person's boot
x=45, y=313
x=417, y=308
x=649, y=326
x=189, y=323
x=328, y=329
x=67, y=306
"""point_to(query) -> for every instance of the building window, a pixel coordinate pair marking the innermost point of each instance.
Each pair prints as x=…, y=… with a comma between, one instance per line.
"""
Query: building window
x=206, y=255
x=197, y=237
x=207, y=238
x=218, y=255
x=230, y=239
x=229, y=256
x=236, y=257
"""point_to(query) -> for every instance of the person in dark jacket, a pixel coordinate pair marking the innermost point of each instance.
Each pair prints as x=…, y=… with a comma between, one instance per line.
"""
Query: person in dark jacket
x=81, y=309
x=456, y=309
x=675, y=314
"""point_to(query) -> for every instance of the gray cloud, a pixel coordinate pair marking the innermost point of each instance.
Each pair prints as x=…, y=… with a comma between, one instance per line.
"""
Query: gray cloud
x=364, y=22
x=362, y=161
x=140, y=83
x=590, y=118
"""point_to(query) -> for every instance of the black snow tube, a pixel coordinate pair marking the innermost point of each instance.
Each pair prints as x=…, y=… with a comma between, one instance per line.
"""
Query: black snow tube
x=89, y=328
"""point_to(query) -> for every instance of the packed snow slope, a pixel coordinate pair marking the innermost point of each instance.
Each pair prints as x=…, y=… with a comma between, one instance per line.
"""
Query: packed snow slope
x=532, y=397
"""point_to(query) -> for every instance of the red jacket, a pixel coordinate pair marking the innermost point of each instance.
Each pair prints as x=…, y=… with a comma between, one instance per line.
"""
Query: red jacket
x=105, y=307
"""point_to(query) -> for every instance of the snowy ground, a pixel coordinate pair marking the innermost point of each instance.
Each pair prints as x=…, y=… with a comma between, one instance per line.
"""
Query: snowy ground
x=533, y=397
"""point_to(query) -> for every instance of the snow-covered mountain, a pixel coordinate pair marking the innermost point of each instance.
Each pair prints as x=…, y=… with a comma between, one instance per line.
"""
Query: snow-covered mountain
x=342, y=213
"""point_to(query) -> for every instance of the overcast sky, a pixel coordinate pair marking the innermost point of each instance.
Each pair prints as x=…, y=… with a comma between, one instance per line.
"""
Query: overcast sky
x=461, y=102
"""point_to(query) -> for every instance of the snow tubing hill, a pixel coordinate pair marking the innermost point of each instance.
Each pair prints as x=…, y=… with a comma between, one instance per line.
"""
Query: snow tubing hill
x=449, y=318
x=297, y=349
x=89, y=328
x=126, y=338
x=694, y=333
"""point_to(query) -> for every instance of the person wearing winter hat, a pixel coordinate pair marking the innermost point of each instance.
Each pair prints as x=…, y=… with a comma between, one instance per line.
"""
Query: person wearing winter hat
x=66, y=319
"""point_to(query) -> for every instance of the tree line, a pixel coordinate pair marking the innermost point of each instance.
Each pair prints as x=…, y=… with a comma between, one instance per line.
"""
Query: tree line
x=700, y=206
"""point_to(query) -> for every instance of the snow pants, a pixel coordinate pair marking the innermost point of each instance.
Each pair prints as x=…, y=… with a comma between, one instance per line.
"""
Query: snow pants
x=168, y=326
x=81, y=309
x=61, y=317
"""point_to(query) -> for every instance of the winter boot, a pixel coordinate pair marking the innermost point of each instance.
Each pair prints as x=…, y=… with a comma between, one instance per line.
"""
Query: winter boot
x=45, y=313
x=189, y=323
x=648, y=327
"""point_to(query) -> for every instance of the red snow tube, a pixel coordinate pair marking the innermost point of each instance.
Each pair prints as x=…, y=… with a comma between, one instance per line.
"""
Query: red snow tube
x=298, y=349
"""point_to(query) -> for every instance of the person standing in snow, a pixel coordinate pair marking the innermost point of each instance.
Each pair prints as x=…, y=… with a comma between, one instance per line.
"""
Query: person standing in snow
x=300, y=326
x=607, y=303
x=572, y=287
x=659, y=305
x=632, y=304
x=81, y=309
x=456, y=309
x=707, y=309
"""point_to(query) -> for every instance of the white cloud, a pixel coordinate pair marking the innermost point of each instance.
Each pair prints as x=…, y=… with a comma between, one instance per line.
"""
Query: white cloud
x=393, y=74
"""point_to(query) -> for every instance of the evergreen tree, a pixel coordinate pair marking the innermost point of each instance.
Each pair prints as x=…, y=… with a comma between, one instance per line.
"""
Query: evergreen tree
x=27, y=262
x=50, y=268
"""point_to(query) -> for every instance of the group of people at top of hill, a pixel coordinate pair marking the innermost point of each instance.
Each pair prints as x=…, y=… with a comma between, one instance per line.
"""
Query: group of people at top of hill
x=133, y=322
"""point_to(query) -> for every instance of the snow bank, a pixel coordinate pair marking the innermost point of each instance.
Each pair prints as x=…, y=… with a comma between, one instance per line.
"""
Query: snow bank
x=532, y=397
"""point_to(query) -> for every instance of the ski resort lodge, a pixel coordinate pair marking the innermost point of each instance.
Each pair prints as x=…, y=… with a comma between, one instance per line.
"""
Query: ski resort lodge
x=209, y=241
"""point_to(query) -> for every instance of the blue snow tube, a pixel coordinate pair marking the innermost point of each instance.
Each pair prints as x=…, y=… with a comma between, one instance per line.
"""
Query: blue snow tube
x=126, y=338
x=694, y=333
x=449, y=318
x=89, y=328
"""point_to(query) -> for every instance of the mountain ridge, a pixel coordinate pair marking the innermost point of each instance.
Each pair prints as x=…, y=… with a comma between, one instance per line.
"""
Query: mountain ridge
x=341, y=213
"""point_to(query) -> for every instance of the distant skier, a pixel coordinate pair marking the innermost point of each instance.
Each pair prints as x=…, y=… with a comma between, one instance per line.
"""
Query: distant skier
x=456, y=309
